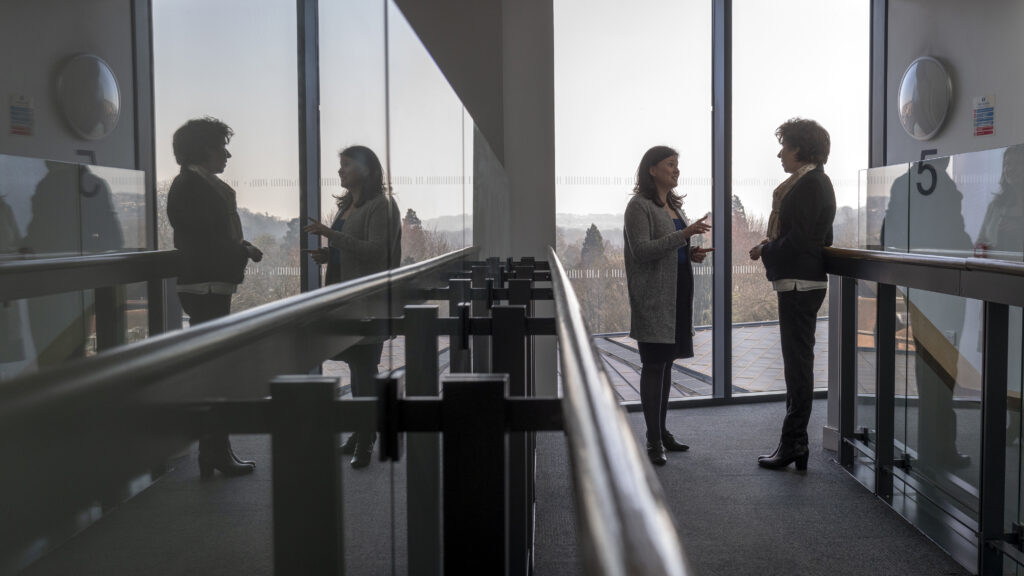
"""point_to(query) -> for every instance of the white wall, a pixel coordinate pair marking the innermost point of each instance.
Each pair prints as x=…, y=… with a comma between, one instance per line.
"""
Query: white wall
x=36, y=36
x=981, y=45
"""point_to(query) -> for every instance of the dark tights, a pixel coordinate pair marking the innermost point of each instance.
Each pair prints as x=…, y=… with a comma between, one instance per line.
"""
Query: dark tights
x=655, y=384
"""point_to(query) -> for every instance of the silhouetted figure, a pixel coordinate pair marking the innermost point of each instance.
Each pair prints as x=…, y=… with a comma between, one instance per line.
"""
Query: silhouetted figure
x=659, y=277
x=924, y=216
x=12, y=348
x=799, y=228
x=72, y=213
x=208, y=232
x=364, y=238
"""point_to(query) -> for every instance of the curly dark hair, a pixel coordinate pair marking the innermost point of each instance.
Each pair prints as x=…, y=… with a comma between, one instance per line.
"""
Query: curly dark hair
x=194, y=139
x=645, y=182
x=808, y=137
x=373, y=184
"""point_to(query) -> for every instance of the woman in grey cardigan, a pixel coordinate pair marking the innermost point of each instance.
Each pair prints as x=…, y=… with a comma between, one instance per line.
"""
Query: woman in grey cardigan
x=660, y=281
x=365, y=238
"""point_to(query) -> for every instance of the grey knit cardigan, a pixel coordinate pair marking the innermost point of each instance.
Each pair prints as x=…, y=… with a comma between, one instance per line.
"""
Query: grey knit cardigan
x=651, y=245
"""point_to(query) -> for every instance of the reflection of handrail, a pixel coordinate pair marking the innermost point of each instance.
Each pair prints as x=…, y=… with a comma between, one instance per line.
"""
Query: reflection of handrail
x=233, y=356
x=624, y=521
x=44, y=276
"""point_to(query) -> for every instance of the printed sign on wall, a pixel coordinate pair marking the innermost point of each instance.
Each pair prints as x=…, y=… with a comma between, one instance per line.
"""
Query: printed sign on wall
x=984, y=115
x=23, y=115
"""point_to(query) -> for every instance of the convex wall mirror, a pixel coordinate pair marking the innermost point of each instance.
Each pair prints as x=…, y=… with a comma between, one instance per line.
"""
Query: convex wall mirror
x=88, y=95
x=925, y=95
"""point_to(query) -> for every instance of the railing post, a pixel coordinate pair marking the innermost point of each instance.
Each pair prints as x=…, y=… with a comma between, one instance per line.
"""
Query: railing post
x=480, y=345
x=847, y=367
x=475, y=520
x=110, y=316
x=993, y=437
x=885, y=402
x=423, y=448
x=508, y=353
x=459, y=293
x=306, y=480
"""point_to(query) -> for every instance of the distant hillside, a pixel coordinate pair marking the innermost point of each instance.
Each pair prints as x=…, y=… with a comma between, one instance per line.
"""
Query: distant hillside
x=255, y=225
x=603, y=221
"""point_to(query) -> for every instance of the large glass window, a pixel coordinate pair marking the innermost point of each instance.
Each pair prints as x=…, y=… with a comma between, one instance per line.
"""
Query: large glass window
x=629, y=77
x=793, y=58
x=236, y=60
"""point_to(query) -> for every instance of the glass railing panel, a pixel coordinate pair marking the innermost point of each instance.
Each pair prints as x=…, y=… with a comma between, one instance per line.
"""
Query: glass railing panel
x=879, y=189
x=992, y=183
x=50, y=208
x=943, y=391
x=867, y=363
x=1014, y=503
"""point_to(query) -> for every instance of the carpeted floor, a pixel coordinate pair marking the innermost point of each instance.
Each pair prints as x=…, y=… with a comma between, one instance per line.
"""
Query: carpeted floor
x=733, y=518
x=737, y=519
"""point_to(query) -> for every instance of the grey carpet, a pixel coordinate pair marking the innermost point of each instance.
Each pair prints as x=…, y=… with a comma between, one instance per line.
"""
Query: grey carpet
x=737, y=519
x=733, y=518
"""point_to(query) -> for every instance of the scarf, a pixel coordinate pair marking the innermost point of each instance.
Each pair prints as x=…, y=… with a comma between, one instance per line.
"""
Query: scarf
x=780, y=192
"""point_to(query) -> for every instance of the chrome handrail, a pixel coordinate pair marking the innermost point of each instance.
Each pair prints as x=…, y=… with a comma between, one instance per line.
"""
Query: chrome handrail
x=998, y=281
x=44, y=276
x=624, y=522
x=247, y=349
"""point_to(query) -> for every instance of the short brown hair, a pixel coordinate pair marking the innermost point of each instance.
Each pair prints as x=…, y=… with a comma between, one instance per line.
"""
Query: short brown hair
x=808, y=137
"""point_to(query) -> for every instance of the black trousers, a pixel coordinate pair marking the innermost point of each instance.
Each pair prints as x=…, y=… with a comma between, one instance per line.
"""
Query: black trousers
x=362, y=361
x=798, y=313
x=204, y=307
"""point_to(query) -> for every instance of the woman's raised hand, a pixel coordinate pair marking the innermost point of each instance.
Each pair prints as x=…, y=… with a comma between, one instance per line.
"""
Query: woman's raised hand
x=698, y=227
x=316, y=227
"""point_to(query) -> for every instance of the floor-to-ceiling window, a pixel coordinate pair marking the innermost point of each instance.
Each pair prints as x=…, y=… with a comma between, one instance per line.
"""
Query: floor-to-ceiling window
x=792, y=58
x=236, y=60
x=629, y=77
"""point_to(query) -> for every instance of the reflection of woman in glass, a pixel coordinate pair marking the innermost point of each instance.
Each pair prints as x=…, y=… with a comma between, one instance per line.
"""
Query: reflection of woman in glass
x=659, y=277
x=364, y=238
x=208, y=233
x=799, y=227
x=1002, y=230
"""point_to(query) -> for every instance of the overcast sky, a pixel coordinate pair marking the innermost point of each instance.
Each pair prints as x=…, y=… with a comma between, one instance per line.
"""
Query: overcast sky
x=627, y=76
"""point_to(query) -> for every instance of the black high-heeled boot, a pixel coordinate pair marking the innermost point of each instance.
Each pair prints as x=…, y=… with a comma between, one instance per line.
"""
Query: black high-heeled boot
x=215, y=454
x=773, y=453
x=785, y=455
x=364, y=449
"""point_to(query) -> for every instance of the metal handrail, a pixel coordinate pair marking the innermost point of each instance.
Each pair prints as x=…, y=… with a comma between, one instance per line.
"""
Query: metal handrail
x=45, y=276
x=624, y=522
x=999, y=281
x=233, y=356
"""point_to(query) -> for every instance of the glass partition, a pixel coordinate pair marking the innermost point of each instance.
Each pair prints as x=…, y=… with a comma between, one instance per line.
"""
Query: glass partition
x=63, y=209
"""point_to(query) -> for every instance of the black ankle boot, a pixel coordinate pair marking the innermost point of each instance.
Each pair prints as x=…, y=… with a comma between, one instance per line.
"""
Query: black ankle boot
x=349, y=447
x=363, y=452
x=656, y=452
x=215, y=454
x=786, y=454
x=671, y=444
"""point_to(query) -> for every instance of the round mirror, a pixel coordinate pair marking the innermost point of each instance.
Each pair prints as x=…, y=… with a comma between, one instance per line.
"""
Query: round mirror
x=88, y=95
x=926, y=93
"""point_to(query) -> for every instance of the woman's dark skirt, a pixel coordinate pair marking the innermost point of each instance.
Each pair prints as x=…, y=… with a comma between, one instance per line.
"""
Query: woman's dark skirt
x=653, y=352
